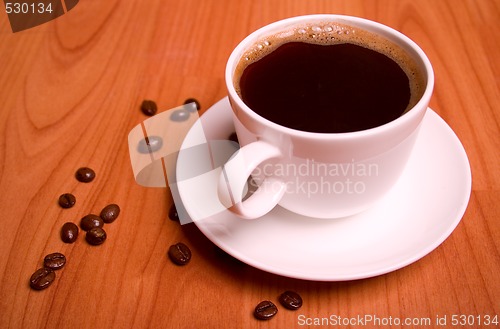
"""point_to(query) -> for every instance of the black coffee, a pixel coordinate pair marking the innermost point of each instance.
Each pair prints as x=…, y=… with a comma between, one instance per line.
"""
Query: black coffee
x=328, y=79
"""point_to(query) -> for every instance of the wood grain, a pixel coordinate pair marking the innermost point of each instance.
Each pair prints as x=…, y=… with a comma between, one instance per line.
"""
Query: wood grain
x=70, y=92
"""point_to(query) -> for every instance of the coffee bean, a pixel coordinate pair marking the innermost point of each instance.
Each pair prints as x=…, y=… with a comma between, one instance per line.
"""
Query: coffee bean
x=172, y=213
x=42, y=278
x=179, y=253
x=67, y=200
x=96, y=236
x=193, y=100
x=179, y=115
x=291, y=300
x=90, y=221
x=85, y=175
x=69, y=232
x=110, y=213
x=265, y=310
x=148, y=107
x=54, y=261
x=150, y=144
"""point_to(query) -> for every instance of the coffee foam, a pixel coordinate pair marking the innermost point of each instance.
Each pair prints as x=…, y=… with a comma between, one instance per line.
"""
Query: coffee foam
x=331, y=33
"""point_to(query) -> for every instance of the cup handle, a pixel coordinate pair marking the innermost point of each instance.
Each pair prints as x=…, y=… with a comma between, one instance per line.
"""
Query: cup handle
x=233, y=180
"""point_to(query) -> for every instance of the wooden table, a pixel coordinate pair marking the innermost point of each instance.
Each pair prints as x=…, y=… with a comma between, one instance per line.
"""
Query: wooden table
x=70, y=93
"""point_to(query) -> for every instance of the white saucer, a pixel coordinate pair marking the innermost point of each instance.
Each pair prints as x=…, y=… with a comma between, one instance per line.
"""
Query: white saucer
x=415, y=217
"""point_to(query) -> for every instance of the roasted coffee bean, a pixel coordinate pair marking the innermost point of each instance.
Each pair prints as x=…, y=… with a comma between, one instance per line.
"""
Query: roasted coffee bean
x=179, y=253
x=172, y=213
x=69, y=232
x=54, y=261
x=96, y=236
x=179, y=115
x=85, y=175
x=291, y=300
x=149, y=107
x=67, y=200
x=110, y=213
x=42, y=278
x=90, y=221
x=193, y=100
x=265, y=310
x=150, y=144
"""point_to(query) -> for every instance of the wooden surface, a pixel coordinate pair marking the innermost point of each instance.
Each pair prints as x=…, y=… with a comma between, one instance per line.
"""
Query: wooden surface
x=70, y=92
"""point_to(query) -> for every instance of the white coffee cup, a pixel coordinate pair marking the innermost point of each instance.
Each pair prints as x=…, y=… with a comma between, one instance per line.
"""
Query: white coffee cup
x=322, y=175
